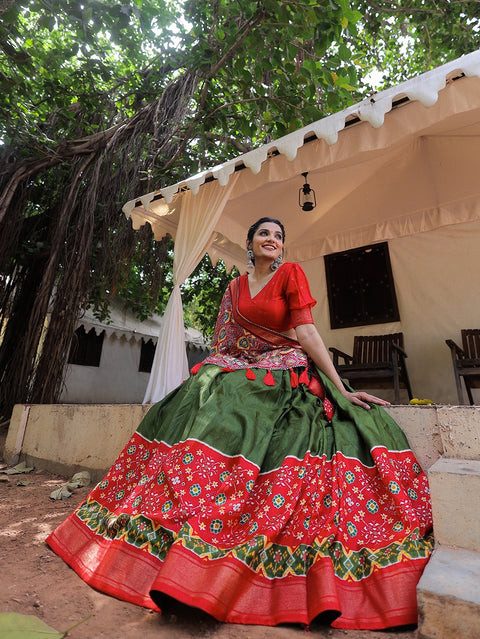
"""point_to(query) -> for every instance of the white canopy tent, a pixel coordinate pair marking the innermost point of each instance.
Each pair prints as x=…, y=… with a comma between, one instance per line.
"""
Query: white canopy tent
x=117, y=377
x=396, y=165
x=123, y=323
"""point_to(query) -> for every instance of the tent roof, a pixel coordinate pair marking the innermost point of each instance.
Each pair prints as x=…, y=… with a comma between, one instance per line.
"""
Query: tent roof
x=400, y=162
x=123, y=323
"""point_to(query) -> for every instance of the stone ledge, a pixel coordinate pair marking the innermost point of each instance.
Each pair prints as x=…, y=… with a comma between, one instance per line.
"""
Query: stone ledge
x=420, y=425
x=449, y=595
x=460, y=431
x=66, y=437
x=455, y=492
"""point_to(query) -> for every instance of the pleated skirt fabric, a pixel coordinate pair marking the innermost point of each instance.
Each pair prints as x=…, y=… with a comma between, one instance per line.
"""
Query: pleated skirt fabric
x=260, y=504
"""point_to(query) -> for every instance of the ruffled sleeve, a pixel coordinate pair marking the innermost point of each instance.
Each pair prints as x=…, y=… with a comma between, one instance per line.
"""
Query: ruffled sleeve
x=300, y=300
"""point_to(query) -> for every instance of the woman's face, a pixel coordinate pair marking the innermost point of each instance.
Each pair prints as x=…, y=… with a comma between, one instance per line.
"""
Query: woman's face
x=267, y=241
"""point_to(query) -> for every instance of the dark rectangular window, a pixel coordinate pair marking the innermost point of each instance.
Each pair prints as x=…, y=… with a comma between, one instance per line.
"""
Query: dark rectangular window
x=360, y=287
x=86, y=348
x=147, y=353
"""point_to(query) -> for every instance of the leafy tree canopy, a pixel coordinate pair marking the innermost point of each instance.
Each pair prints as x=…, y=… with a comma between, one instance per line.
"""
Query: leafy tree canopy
x=101, y=101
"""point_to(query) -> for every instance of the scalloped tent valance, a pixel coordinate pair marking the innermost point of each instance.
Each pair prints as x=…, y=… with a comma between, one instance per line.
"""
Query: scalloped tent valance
x=123, y=324
x=397, y=164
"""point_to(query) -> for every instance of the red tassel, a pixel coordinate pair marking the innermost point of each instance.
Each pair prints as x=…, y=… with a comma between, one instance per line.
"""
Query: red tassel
x=268, y=379
x=293, y=378
x=228, y=370
x=316, y=388
x=304, y=377
x=250, y=374
x=328, y=409
x=194, y=370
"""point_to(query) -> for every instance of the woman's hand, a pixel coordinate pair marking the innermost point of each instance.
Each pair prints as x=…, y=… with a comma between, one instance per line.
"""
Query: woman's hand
x=360, y=398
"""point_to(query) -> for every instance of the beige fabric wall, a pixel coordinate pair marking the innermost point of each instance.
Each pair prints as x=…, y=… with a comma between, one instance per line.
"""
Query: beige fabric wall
x=437, y=280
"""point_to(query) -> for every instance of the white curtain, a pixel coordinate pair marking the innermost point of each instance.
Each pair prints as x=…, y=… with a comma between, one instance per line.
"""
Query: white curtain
x=198, y=216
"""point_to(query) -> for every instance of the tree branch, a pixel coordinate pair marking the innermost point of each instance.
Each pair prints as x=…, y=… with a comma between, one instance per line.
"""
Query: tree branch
x=233, y=141
x=247, y=29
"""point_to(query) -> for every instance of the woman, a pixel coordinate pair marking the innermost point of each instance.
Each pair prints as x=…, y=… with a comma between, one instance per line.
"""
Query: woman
x=261, y=490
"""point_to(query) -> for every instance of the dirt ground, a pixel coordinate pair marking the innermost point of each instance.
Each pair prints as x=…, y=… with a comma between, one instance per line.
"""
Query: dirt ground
x=34, y=581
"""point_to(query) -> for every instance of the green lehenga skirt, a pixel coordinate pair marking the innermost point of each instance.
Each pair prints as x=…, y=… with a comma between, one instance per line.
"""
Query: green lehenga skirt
x=257, y=504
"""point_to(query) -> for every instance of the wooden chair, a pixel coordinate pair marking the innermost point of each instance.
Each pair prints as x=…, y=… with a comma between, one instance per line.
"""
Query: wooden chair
x=378, y=361
x=466, y=361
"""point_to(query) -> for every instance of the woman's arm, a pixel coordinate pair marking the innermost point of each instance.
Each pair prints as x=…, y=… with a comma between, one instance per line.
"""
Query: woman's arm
x=313, y=345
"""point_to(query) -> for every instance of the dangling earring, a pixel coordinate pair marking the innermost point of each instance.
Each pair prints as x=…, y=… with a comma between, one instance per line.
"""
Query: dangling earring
x=276, y=263
x=251, y=258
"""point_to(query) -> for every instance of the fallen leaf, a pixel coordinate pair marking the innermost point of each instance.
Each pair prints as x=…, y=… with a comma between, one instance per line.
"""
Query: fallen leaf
x=61, y=493
x=79, y=480
x=18, y=469
x=16, y=626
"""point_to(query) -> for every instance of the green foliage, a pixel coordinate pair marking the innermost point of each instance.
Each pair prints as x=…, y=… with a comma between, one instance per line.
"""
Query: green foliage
x=136, y=285
x=276, y=71
x=404, y=38
x=71, y=68
x=203, y=292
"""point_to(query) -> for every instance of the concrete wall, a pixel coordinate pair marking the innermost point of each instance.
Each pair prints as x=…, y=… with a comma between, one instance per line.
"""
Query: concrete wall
x=67, y=438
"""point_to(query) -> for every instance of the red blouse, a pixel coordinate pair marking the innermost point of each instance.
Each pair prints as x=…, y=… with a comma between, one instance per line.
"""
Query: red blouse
x=283, y=303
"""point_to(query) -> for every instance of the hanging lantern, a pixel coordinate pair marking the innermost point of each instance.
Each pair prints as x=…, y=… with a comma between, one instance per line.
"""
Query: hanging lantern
x=306, y=196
